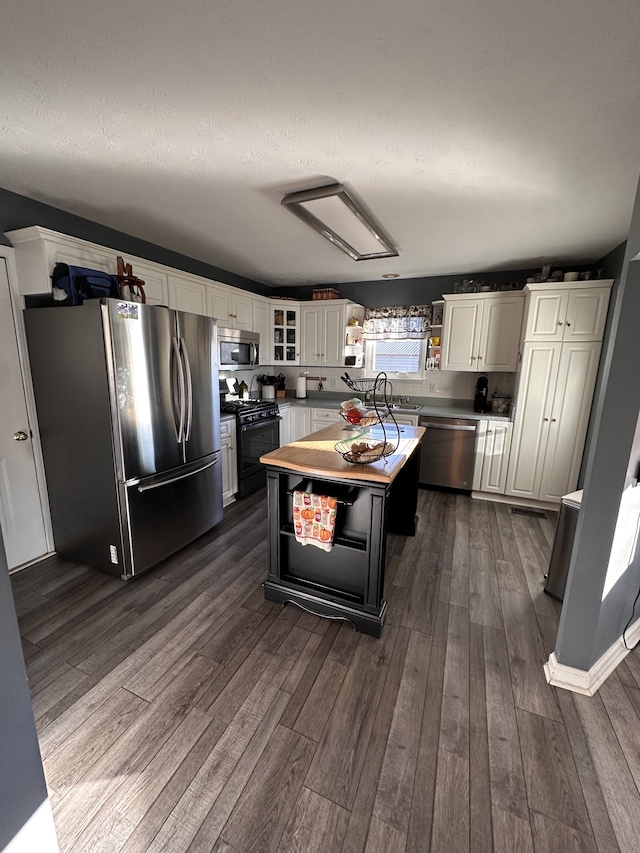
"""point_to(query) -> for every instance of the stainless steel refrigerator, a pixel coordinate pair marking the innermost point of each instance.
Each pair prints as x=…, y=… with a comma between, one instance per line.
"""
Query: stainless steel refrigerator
x=129, y=416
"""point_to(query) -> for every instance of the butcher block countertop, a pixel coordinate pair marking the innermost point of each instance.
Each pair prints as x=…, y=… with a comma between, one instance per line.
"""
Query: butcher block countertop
x=314, y=455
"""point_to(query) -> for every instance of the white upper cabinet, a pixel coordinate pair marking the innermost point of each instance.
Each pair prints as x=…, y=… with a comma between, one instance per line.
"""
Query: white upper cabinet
x=232, y=308
x=481, y=332
x=285, y=332
x=156, y=284
x=260, y=323
x=324, y=329
x=187, y=294
x=572, y=311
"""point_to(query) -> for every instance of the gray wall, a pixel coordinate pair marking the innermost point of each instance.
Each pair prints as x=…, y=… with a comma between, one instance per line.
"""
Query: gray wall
x=415, y=291
x=17, y=211
x=589, y=626
x=22, y=786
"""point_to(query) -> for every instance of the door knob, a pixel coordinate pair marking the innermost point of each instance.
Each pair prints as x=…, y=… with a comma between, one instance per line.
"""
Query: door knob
x=20, y=436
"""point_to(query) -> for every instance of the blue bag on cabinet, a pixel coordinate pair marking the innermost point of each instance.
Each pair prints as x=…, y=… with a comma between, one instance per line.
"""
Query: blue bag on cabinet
x=72, y=285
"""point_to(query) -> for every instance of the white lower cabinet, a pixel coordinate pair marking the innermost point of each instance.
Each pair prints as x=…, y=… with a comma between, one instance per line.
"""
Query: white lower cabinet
x=552, y=408
x=229, y=460
x=492, y=456
x=404, y=420
x=321, y=418
x=300, y=423
x=285, y=424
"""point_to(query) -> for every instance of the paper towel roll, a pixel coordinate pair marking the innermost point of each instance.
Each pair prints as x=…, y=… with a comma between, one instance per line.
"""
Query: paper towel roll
x=301, y=386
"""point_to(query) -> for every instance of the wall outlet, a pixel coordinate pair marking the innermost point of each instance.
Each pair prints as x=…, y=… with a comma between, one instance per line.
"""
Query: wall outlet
x=332, y=382
x=433, y=386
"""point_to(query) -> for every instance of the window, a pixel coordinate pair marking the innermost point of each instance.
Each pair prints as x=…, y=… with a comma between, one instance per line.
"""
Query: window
x=395, y=357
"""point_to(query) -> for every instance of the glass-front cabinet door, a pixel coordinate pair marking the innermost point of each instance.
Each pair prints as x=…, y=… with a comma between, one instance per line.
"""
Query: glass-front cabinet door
x=286, y=334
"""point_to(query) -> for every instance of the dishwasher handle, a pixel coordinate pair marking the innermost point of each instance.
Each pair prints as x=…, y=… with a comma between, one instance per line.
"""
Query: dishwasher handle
x=457, y=427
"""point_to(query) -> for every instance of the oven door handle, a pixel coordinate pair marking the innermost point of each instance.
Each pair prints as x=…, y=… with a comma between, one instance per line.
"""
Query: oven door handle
x=260, y=424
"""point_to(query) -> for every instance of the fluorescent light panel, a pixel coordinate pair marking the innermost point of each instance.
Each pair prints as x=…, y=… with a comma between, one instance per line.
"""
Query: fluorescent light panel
x=333, y=213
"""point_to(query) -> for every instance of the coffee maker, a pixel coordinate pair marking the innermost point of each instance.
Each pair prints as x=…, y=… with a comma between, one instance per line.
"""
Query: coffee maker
x=481, y=402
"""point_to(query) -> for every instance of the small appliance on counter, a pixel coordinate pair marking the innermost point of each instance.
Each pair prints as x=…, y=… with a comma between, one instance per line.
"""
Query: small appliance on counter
x=481, y=401
x=301, y=387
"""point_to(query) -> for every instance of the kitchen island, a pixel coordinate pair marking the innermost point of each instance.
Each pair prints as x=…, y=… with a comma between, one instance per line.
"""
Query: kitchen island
x=373, y=499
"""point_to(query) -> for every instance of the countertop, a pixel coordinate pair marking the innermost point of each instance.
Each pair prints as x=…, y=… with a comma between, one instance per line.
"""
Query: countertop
x=314, y=455
x=452, y=409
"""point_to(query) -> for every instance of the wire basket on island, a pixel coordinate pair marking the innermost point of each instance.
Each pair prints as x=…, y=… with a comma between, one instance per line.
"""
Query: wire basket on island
x=365, y=448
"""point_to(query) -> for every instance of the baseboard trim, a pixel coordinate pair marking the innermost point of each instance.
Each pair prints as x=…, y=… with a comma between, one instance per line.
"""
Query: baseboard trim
x=509, y=499
x=587, y=681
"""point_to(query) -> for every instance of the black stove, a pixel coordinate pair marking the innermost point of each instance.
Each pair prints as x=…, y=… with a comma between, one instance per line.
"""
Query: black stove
x=257, y=428
x=250, y=411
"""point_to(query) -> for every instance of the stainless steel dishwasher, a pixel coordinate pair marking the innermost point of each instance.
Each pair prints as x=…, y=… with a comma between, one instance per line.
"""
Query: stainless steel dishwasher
x=447, y=457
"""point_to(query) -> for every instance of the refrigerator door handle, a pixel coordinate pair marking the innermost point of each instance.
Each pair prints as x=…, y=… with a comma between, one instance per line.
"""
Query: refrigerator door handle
x=178, y=390
x=145, y=487
x=188, y=403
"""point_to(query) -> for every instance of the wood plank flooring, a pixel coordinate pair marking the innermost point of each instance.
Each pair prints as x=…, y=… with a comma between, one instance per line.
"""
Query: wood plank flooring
x=183, y=713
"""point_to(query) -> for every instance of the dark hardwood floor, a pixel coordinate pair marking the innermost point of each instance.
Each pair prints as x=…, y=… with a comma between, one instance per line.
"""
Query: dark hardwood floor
x=183, y=713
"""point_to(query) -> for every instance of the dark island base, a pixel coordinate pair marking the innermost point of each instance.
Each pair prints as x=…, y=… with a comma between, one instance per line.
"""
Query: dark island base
x=348, y=581
x=367, y=623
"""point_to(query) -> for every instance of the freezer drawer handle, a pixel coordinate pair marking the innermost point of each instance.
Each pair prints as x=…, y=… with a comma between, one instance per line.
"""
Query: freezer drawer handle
x=449, y=426
x=148, y=486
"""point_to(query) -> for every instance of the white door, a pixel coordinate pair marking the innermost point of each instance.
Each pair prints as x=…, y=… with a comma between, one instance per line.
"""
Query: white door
x=460, y=335
x=241, y=314
x=546, y=313
x=501, y=323
x=187, y=295
x=532, y=418
x=334, y=336
x=300, y=423
x=569, y=419
x=586, y=314
x=311, y=335
x=260, y=324
x=496, y=456
x=23, y=526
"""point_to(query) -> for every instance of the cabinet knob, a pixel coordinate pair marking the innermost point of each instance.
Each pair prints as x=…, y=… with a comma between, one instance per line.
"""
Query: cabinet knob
x=473, y=358
x=553, y=420
x=568, y=323
x=559, y=322
x=546, y=419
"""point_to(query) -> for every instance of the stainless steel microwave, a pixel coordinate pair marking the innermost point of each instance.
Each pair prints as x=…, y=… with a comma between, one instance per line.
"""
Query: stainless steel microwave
x=237, y=349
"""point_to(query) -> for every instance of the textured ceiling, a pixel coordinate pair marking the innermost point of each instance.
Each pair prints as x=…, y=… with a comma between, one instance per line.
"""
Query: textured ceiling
x=482, y=134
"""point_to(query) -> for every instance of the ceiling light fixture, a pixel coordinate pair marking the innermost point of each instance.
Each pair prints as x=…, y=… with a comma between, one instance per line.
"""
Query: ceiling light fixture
x=331, y=212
